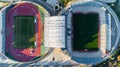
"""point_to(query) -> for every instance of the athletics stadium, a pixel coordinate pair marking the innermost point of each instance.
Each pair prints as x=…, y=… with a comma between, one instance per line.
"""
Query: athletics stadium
x=23, y=26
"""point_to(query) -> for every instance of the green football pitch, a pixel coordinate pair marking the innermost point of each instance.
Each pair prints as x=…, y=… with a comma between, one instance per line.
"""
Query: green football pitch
x=85, y=31
x=24, y=31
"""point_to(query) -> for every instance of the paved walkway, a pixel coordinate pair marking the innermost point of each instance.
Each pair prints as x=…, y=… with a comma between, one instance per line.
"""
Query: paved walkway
x=56, y=57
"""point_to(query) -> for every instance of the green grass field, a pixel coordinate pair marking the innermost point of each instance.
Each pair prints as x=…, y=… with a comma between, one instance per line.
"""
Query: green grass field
x=24, y=31
x=85, y=31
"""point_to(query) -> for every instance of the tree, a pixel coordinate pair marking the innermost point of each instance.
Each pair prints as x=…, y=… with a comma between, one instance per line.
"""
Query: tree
x=65, y=2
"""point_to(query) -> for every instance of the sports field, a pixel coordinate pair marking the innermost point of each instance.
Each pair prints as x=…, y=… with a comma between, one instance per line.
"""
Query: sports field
x=85, y=31
x=24, y=31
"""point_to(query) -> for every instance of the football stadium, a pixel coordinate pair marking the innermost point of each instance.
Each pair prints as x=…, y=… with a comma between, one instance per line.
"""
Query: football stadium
x=92, y=31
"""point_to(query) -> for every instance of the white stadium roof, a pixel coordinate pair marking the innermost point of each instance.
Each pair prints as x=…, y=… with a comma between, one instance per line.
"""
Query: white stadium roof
x=54, y=31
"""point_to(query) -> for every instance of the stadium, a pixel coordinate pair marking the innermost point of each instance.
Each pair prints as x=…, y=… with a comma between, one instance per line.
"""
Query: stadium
x=92, y=31
x=23, y=35
x=87, y=31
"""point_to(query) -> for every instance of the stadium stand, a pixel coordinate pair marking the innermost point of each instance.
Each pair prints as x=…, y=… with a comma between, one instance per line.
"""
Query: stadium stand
x=92, y=4
x=87, y=54
x=69, y=42
x=108, y=34
x=87, y=60
x=3, y=65
x=69, y=20
x=69, y=26
x=2, y=31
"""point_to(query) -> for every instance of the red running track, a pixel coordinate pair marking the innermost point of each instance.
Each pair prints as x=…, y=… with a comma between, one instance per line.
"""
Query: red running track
x=23, y=9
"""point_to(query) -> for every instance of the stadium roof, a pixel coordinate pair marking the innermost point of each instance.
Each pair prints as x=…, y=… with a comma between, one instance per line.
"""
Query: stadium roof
x=0, y=48
x=52, y=2
x=1, y=34
x=54, y=32
x=108, y=1
x=9, y=0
